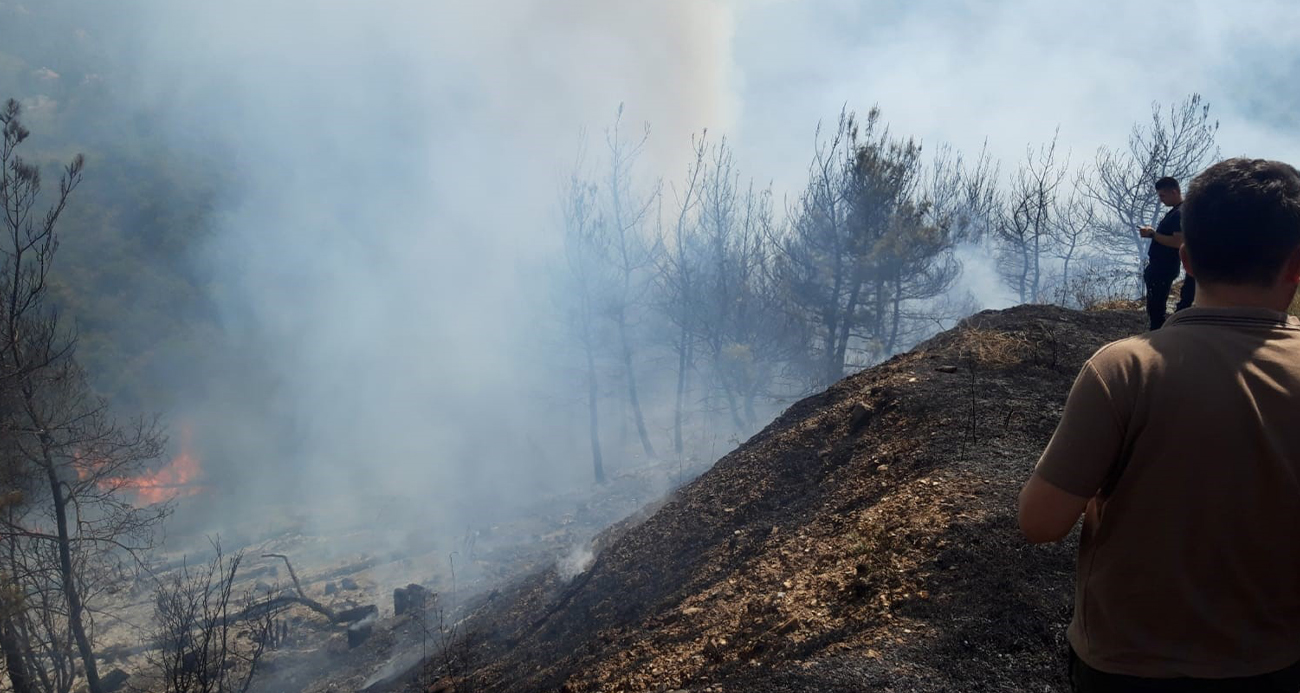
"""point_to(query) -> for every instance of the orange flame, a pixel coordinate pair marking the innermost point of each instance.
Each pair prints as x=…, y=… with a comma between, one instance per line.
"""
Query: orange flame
x=176, y=479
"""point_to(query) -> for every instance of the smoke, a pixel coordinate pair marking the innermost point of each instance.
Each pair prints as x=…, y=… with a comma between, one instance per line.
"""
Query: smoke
x=575, y=562
x=376, y=260
x=979, y=276
x=375, y=264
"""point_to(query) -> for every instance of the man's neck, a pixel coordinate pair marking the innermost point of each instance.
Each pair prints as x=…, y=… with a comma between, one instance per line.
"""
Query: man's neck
x=1232, y=296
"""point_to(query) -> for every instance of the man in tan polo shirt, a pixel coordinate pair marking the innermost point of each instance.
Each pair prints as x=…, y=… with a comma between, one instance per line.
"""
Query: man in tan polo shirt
x=1181, y=450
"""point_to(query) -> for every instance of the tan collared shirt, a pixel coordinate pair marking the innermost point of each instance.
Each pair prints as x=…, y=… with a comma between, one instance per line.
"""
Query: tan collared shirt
x=1189, y=437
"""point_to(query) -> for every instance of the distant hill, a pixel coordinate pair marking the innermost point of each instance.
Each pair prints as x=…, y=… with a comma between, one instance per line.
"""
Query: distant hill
x=129, y=271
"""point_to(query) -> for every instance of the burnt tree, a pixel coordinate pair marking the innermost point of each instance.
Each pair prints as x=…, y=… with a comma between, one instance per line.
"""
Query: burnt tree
x=1178, y=141
x=71, y=530
x=585, y=281
x=629, y=255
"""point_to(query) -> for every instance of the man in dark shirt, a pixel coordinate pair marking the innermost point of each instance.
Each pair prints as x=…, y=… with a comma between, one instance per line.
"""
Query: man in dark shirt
x=1162, y=257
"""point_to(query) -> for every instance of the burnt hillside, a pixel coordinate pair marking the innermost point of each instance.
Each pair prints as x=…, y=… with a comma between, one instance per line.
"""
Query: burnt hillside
x=864, y=540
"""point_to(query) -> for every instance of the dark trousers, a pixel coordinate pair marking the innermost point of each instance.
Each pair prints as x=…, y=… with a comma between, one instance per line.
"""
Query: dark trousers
x=1085, y=679
x=1159, y=281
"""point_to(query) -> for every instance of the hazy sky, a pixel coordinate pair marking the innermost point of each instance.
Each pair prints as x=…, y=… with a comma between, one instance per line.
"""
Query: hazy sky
x=1013, y=71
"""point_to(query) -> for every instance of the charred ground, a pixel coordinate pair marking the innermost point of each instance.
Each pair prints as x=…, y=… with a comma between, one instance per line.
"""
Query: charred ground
x=864, y=540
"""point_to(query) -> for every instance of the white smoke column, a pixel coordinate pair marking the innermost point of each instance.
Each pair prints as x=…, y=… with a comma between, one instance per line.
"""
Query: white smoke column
x=576, y=561
x=397, y=167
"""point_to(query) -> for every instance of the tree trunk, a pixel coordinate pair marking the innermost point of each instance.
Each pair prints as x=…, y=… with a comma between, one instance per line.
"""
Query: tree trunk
x=1065, y=276
x=834, y=324
x=846, y=328
x=1037, y=268
x=15, y=664
x=1024, y=274
x=1140, y=265
x=880, y=301
x=621, y=417
x=593, y=420
x=736, y=421
x=64, y=670
x=12, y=642
x=631, y=389
x=896, y=317
x=683, y=362
x=66, y=572
x=831, y=369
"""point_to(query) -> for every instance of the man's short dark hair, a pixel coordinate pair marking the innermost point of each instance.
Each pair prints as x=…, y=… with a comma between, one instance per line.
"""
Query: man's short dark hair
x=1241, y=221
x=1167, y=183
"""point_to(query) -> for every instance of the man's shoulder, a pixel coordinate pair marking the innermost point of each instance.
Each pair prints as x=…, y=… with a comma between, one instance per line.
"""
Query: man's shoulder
x=1127, y=348
x=1128, y=354
x=1171, y=218
x=1185, y=343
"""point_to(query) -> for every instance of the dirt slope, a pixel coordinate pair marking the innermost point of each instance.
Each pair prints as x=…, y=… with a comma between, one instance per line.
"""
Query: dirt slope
x=837, y=550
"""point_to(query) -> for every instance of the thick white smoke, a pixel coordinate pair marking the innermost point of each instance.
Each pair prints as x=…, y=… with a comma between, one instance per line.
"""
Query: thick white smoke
x=397, y=168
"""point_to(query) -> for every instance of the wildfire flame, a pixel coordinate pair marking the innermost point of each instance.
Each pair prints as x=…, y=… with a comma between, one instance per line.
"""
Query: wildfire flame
x=176, y=479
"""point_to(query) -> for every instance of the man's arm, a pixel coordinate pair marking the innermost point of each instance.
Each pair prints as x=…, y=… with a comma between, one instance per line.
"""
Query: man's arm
x=1048, y=513
x=1083, y=451
x=1172, y=240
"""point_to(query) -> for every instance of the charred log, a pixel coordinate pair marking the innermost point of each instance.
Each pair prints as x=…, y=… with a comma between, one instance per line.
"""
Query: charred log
x=412, y=598
x=114, y=680
x=276, y=603
x=360, y=631
x=357, y=613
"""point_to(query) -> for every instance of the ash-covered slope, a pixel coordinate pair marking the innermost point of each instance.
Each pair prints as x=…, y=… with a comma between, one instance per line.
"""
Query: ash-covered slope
x=865, y=540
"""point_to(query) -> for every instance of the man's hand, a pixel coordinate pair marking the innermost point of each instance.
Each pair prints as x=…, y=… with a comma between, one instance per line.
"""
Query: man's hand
x=1146, y=231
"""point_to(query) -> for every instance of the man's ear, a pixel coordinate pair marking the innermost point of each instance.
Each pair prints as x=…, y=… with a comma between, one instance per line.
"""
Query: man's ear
x=1187, y=259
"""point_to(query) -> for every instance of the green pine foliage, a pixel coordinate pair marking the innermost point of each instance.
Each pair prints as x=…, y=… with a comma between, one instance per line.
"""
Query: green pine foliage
x=127, y=273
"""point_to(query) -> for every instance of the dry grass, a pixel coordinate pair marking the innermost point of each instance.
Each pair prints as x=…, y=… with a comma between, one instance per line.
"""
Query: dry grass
x=1133, y=304
x=992, y=348
x=1117, y=304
